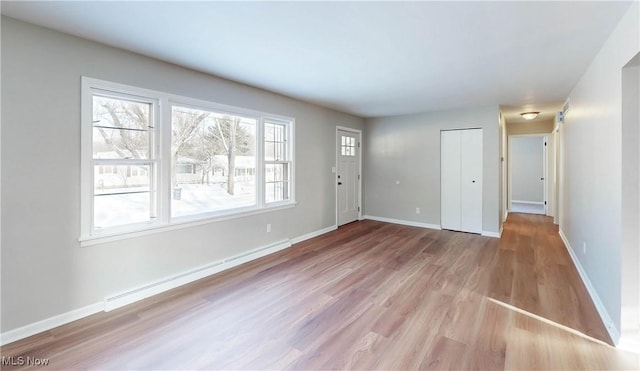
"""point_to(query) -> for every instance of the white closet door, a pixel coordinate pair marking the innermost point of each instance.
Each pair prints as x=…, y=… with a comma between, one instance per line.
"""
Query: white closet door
x=461, y=180
x=471, y=180
x=450, y=179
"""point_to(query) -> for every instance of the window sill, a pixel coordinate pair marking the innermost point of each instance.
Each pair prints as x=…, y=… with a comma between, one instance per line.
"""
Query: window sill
x=105, y=238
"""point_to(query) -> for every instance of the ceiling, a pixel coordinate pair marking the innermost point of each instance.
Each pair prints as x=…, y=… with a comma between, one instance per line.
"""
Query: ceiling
x=365, y=58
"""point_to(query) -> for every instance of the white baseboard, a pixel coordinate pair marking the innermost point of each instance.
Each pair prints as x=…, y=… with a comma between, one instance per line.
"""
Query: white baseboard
x=142, y=292
x=491, y=234
x=614, y=333
x=528, y=202
x=132, y=295
x=403, y=222
x=317, y=233
x=49, y=323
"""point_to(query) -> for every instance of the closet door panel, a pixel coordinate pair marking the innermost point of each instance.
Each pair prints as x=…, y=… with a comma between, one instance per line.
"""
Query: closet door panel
x=450, y=179
x=471, y=180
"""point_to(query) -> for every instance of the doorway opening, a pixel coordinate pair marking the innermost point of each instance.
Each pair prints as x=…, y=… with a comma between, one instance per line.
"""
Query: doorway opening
x=528, y=174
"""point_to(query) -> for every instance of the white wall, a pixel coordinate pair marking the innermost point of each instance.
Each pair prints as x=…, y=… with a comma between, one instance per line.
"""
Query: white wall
x=527, y=167
x=591, y=153
x=44, y=270
x=406, y=149
x=630, y=318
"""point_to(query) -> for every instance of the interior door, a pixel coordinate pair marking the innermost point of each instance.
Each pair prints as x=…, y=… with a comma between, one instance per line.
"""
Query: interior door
x=471, y=180
x=348, y=176
x=450, y=179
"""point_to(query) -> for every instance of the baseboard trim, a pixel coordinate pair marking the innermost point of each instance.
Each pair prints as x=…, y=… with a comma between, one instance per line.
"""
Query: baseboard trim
x=528, y=202
x=49, y=323
x=491, y=234
x=311, y=235
x=403, y=222
x=142, y=292
x=614, y=333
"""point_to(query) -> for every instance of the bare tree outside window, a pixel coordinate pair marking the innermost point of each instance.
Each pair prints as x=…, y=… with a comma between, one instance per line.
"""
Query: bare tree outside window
x=206, y=148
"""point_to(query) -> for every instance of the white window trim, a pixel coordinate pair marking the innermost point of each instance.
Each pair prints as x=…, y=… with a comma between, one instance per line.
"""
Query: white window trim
x=164, y=222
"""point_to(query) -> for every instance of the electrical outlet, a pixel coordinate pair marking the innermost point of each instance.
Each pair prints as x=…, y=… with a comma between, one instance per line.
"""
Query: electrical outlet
x=418, y=210
x=268, y=228
x=584, y=247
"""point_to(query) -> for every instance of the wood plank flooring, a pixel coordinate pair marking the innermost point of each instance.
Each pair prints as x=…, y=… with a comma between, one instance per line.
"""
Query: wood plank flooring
x=369, y=296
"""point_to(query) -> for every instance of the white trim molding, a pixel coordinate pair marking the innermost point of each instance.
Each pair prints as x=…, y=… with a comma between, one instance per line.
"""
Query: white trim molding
x=613, y=331
x=49, y=323
x=492, y=234
x=528, y=202
x=403, y=222
x=311, y=235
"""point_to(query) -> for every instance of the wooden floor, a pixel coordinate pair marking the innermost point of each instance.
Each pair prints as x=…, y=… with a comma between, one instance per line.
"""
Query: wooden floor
x=371, y=295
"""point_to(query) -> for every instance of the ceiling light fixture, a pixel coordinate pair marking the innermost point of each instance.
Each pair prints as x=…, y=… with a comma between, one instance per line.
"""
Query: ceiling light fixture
x=529, y=115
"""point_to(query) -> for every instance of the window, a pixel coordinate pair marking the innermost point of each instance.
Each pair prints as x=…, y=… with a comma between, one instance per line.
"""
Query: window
x=277, y=162
x=219, y=148
x=123, y=160
x=348, y=146
x=152, y=159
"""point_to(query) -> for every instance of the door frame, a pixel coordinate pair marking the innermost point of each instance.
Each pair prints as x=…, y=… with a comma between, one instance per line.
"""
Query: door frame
x=545, y=169
x=335, y=168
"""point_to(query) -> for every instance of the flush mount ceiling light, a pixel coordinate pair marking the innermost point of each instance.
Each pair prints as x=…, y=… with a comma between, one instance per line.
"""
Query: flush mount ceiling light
x=529, y=115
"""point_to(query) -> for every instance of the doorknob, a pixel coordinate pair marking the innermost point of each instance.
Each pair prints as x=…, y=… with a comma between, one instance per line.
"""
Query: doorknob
x=541, y=178
x=339, y=183
x=473, y=181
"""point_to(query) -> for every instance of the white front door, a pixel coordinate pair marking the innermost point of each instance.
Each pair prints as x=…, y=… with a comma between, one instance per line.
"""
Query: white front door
x=348, y=176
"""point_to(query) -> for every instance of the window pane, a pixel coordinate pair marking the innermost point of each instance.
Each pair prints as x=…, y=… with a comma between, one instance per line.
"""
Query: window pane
x=277, y=191
x=277, y=185
x=213, y=161
x=121, y=128
x=269, y=151
x=275, y=142
x=121, y=195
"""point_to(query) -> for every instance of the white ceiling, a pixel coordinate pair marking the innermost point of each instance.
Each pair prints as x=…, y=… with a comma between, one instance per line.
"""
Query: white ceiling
x=366, y=58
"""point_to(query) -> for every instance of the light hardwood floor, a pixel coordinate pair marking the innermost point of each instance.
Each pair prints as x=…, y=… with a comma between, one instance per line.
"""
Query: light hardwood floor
x=371, y=295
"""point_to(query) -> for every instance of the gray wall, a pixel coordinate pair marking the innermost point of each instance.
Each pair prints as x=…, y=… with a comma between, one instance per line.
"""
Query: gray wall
x=530, y=127
x=527, y=167
x=407, y=149
x=44, y=270
x=591, y=154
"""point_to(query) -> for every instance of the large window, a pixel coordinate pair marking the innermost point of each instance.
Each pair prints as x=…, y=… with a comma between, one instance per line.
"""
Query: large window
x=213, y=157
x=151, y=159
